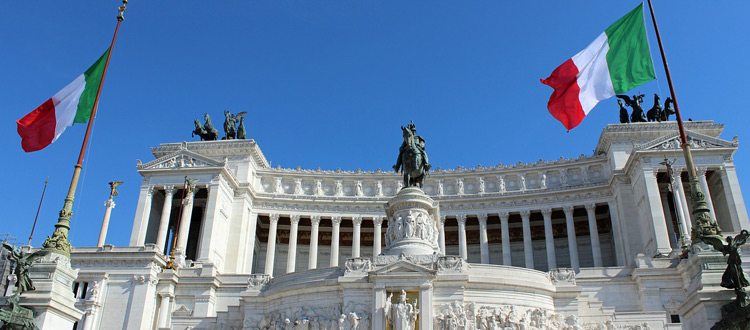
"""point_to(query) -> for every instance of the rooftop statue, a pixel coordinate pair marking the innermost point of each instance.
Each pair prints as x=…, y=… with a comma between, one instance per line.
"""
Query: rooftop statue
x=623, y=113
x=635, y=103
x=655, y=113
x=734, y=315
x=241, y=134
x=668, y=109
x=230, y=124
x=206, y=132
x=412, y=158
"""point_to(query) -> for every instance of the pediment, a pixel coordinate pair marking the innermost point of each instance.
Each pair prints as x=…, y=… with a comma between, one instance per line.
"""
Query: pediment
x=697, y=141
x=180, y=159
x=403, y=268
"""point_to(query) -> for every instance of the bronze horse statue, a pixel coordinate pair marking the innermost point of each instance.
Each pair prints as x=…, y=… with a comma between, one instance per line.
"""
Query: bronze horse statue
x=211, y=132
x=635, y=103
x=200, y=131
x=655, y=113
x=411, y=158
x=668, y=109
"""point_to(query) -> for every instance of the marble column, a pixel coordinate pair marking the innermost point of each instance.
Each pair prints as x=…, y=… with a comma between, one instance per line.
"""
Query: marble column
x=462, y=250
x=356, y=235
x=142, y=216
x=528, y=248
x=549, y=239
x=441, y=234
x=668, y=218
x=271, y=244
x=184, y=227
x=596, y=249
x=617, y=234
x=166, y=213
x=377, y=223
x=505, y=237
x=681, y=201
x=252, y=227
x=379, y=298
x=425, y=307
x=572, y=242
x=164, y=310
x=653, y=207
x=336, y=221
x=484, y=249
x=291, y=259
x=735, y=201
x=701, y=170
x=312, y=263
x=109, y=205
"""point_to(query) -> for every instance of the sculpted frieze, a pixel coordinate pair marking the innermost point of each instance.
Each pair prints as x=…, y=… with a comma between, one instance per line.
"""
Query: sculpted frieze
x=311, y=318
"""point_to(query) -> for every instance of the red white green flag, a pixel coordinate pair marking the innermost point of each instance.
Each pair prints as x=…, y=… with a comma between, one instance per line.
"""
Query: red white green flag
x=72, y=104
x=617, y=61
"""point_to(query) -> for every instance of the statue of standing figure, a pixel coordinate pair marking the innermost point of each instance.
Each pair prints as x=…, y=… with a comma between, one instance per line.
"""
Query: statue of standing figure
x=23, y=261
x=402, y=315
x=230, y=124
x=412, y=158
x=638, y=116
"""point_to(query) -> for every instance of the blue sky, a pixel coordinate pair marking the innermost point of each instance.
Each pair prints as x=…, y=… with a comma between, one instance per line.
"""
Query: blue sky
x=327, y=84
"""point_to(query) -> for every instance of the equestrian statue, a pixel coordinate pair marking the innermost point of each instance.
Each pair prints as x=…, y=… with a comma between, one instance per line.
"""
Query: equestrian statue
x=412, y=158
x=655, y=113
x=230, y=124
x=635, y=103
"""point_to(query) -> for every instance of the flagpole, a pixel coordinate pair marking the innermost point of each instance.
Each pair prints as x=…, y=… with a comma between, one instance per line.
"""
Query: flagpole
x=58, y=242
x=37, y=210
x=705, y=229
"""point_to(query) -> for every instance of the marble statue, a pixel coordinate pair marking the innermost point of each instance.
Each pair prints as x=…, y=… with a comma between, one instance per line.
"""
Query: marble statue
x=401, y=315
x=412, y=159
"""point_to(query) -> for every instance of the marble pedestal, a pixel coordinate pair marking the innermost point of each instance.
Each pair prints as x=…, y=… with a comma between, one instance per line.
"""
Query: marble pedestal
x=52, y=301
x=412, y=224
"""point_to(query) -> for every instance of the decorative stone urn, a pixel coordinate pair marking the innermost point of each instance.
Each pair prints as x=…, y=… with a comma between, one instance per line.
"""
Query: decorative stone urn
x=412, y=224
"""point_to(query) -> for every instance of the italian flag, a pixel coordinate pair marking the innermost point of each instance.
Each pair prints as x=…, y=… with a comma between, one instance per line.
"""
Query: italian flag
x=72, y=104
x=617, y=61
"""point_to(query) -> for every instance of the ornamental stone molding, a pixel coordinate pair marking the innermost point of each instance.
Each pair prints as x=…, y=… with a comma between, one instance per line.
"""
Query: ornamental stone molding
x=358, y=266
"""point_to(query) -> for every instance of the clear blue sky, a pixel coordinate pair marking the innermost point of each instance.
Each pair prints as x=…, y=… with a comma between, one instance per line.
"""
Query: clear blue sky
x=327, y=84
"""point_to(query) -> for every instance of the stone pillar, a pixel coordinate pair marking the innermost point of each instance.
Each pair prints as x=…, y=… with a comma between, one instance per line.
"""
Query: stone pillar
x=109, y=205
x=505, y=238
x=182, y=231
x=680, y=203
x=653, y=207
x=271, y=245
x=252, y=224
x=164, y=310
x=52, y=301
x=617, y=233
x=377, y=234
x=312, y=263
x=461, y=218
x=549, y=239
x=142, y=215
x=596, y=249
x=378, y=319
x=356, y=233
x=425, y=307
x=336, y=220
x=528, y=248
x=735, y=201
x=484, y=249
x=704, y=188
x=668, y=218
x=166, y=213
x=572, y=242
x=441, y=234
x=291, y=259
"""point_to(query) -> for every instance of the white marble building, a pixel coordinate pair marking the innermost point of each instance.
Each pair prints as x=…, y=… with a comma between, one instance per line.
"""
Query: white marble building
x=592, y=242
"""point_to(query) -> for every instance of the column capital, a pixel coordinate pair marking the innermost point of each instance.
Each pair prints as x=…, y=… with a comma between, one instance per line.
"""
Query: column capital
x=590, y=207
x=442, y=220
x=482, y=218
x=169, y=190
x=525, y=214
x=315, y=219
x=547, y=212
x=151, y=189
x=461, y=218
x=503, y=215
x=294, y=218
x=377, y=220
x=426, y=286
x=164, y=295
x=676, y=174
x=336, y=220
x=109, y=203
x=701, y=170
x=357, y=220
x=274, y=217
x=568, y=209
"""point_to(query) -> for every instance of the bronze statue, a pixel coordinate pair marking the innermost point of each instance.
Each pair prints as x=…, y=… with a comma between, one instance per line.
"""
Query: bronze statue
x=211, y=132
x=655, y=113
x=635, y=103
x=734, y=277
x=412, y=158
x=668, y=109
x=113, y=187
x=230, y=124
x=623, y=113
x=23, y=261
x=200, y=131
x=241, y=134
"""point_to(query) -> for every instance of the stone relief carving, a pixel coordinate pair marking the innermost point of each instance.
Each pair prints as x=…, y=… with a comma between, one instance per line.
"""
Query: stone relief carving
x=357, y=265
x=312, y=318
x=562, y=276
x=451, y=264
x=258, y=281
x=411, y=225
x=401, y=315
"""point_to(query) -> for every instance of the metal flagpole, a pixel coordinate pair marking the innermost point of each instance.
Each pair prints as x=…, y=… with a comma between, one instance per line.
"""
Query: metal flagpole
x=58, y=242
x=37, y=210
x=705, y=229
